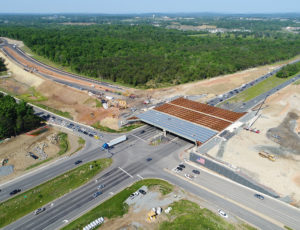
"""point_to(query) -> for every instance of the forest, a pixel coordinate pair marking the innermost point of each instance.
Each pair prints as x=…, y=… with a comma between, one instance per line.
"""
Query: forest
x=16, y=118
x=146, y=56
x=289, y=70
x=2, y=65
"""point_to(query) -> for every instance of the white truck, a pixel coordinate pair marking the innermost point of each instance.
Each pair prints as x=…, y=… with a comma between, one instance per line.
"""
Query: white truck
x=114, y=142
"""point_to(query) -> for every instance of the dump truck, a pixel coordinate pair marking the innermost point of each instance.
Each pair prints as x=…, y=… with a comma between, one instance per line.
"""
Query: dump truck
x=113, y=142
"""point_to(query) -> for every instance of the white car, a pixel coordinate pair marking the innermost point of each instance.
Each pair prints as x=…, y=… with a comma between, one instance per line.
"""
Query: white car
x=134, y=195
x=222, y=213
x=189, y=176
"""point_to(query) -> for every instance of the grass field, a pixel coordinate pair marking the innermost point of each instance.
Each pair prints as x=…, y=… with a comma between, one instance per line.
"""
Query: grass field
x=115, y=207
x=186, y=215
x=33, y=96
x=121, y=130
x=258, y=89
x=58, y=112
x=63, y=143
x=24, y=203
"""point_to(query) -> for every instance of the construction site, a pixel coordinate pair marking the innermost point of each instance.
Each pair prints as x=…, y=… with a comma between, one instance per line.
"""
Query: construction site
x=269, y=150
x=27, y=151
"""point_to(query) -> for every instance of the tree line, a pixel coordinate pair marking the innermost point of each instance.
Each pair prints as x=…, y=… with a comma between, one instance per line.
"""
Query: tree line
x=16, y=118
x=2, y=65
x=147, y=56
x=289, y=70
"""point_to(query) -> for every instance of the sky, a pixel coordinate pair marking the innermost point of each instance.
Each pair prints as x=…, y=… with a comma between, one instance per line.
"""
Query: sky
x=149, y=6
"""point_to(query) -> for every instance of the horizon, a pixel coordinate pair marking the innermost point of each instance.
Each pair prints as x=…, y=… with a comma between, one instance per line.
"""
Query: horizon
x=117, y=7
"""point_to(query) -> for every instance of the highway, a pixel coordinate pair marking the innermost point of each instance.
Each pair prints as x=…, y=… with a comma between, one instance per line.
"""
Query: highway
x=240, y=89
x=130, y=164
x=58, y=71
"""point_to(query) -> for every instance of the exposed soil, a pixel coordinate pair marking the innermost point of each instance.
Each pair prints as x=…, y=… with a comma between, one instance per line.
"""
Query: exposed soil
x=278, y=118
x=17, y=148
x=79, y=104
x=284, y=134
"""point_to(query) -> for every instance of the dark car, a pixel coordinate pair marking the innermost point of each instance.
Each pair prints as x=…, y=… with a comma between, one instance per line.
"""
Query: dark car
x=91, y=135
x=181, y=166
x=142, y=191
x=39, y=210
x=78, y=162
x=15, y=191
x=196, y=171
x=259, y=196
x=149, y=159
x=97, y=194
x=142, y=131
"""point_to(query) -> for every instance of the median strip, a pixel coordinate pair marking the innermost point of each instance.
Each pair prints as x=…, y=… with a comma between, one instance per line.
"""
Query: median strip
x=24, y=203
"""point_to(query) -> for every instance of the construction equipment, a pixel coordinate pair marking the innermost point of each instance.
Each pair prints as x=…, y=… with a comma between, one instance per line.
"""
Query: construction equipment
x=269, y=156
x=151, y=215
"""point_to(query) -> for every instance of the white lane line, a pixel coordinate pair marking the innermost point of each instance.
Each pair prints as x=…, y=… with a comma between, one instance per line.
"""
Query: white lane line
x=140, y=176
x=138, y=138
x=125, y=172
x=256, y=212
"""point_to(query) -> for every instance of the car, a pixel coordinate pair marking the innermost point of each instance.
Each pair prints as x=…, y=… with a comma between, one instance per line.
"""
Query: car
x=143, y=192
x=39, y=210
x=78, y=162
x=101, y=186
x=149, y=159
x=142, y=131
x=91, y=135
x=259, y=196
x=84, y=132
x=189, y=176
x=196, y=171
x=97, y=194
x=222, y=213
x=134, y=195
x=181, y=166
x=15, y=191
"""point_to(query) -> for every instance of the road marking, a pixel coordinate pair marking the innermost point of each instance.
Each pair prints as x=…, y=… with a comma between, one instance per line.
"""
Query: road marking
x=174, y=139
x=138, y=138
x=228, y=199
x=125, y=172
x=65, y=221
x=140, y=176
x=111, y=193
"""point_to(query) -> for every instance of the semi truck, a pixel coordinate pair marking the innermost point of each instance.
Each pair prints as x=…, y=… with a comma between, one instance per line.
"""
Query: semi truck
x=113, y=142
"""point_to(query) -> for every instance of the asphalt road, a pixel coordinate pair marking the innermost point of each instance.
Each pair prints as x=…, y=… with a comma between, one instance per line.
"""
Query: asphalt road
x=131, y=165
x=28, y=58
x=238, y=90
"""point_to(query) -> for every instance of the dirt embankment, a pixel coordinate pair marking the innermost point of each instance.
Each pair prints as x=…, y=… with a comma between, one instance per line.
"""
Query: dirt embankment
x=79, y=104
x=17, y=149
x=277, y=136
x=214, y=86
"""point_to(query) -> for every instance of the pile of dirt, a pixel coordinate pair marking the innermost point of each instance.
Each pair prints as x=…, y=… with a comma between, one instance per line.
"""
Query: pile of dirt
x=284, y=134
x=17, y=150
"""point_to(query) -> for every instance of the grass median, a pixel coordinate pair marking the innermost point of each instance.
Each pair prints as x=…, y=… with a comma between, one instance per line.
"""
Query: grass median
x=115, y=206
x=258, y=89
x=121, y=130
x=63, y=143
x=24, y=203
